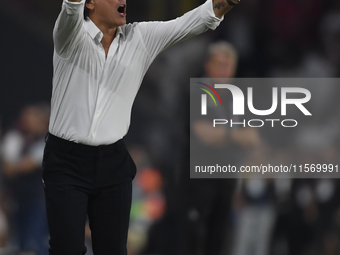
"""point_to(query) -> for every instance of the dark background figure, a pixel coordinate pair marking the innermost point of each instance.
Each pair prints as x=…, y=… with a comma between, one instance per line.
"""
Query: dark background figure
x=22, y=155
x=201, y=210
x=208, y=203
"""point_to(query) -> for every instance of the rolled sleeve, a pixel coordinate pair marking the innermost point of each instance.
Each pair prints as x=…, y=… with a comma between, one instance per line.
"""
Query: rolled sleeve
x=68, y=28
x=73, y=7
x=208, y=15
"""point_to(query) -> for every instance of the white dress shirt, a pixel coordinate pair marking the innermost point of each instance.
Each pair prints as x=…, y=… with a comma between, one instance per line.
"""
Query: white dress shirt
x=92, y=94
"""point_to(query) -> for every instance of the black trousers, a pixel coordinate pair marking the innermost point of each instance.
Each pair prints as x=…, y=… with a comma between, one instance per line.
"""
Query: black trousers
x=94, y=181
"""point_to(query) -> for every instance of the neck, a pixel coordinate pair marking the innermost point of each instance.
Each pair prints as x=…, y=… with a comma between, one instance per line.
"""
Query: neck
x=108, y=34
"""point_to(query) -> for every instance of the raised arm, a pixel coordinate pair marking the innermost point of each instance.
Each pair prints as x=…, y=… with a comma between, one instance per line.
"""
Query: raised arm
x=157, y=36
x=221, y=7
x=69, y=25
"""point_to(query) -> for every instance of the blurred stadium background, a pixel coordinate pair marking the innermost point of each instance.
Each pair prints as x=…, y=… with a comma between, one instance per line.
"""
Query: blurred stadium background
x=274, y=38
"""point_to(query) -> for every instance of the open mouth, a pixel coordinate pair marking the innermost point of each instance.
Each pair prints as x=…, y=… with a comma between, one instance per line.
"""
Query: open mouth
x=122, y=10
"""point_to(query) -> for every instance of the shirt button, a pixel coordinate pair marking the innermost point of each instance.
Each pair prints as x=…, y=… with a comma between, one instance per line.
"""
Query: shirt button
x=97, y=112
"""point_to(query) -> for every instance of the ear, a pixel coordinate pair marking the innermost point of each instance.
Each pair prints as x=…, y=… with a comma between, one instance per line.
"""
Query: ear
x=90, y=4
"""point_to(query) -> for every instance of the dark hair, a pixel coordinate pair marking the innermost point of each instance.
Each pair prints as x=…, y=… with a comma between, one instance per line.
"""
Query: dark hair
x=86, y=10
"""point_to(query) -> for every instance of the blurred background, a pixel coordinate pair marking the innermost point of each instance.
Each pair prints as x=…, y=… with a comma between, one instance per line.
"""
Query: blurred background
x=171, y=214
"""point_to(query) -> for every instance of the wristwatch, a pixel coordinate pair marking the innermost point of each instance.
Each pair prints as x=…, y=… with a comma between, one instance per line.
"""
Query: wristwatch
x=232, y=3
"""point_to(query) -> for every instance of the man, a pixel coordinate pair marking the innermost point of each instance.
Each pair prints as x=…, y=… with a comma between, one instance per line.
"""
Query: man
x=221, y=62
x=99, y=64
x=207, y=205
x=22, y=149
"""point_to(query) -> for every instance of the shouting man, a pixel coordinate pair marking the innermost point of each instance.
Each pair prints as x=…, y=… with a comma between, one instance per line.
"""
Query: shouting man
x=99, y=63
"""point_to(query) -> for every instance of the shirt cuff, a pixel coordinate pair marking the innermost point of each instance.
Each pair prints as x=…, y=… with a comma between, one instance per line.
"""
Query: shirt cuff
x=73, y=7
x=208, y=15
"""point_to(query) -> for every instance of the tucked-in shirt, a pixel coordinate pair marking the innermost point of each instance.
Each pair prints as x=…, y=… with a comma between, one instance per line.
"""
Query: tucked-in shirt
x=92, y=94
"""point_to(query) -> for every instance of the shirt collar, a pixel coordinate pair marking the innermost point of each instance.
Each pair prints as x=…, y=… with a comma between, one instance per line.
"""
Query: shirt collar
x=95, y=32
